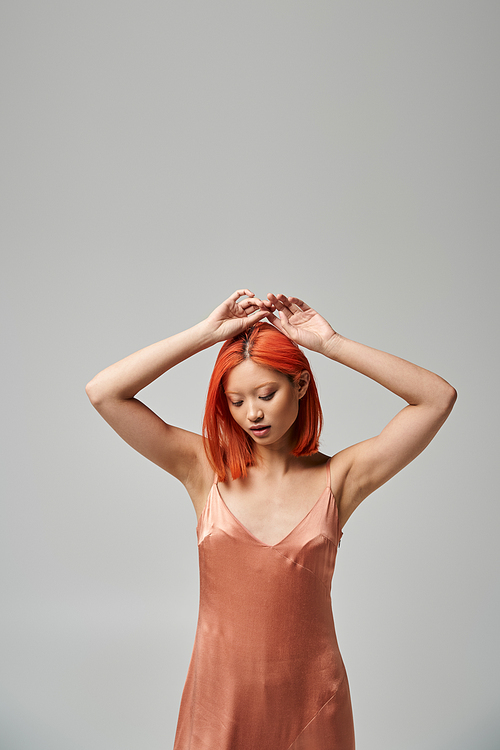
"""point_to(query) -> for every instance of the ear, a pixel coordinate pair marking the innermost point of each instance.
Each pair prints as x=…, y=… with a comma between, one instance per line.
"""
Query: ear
x=303, y=383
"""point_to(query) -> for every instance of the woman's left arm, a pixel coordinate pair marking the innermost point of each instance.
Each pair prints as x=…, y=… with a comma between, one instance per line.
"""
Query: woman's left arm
x=371, y=463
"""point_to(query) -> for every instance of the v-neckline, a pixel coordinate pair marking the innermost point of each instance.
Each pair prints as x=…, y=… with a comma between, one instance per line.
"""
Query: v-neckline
x=256, y=539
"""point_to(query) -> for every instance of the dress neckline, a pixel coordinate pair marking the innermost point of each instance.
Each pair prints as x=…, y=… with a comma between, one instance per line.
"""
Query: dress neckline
x=326, y=490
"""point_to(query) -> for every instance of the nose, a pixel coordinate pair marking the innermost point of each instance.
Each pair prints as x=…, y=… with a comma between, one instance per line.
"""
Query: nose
x=255, y=413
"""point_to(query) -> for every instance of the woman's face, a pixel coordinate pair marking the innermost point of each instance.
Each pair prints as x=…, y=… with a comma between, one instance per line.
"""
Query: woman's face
x=264, y=402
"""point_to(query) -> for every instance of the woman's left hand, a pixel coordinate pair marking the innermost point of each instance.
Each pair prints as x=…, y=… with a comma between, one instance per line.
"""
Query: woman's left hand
x=301, y=323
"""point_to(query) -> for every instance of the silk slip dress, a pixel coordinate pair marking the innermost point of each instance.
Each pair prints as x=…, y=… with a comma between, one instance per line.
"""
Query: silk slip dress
x=266, y=672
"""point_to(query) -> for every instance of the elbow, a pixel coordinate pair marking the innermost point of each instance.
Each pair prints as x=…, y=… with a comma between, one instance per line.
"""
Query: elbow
x=452, y=396
x=449, y=397
x=93, y=392
x=100, y=394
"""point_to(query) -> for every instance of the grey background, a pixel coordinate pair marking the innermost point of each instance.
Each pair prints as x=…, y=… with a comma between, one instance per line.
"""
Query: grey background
x=157, y=156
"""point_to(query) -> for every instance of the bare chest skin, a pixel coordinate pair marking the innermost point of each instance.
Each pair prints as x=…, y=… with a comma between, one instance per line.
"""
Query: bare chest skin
x=270, y=510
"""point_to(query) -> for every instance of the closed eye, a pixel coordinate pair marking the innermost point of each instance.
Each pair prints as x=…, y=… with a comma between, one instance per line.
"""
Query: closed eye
x=268, y=397
x=263, y=398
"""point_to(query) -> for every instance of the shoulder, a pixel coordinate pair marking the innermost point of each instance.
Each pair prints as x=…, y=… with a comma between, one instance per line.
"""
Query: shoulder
x=316, y=460
x=316, y=471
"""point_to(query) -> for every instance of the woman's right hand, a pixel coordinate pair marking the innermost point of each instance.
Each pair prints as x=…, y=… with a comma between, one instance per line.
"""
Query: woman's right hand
x=233, y=316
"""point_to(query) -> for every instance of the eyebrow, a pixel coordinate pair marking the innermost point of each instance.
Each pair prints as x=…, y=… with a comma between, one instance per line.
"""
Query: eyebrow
x=263, y=385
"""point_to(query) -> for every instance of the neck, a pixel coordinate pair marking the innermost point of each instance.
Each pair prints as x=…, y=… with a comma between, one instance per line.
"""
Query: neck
x=274, y=460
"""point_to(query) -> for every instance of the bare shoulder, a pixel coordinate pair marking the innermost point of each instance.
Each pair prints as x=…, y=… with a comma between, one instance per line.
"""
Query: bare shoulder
x=315, y=469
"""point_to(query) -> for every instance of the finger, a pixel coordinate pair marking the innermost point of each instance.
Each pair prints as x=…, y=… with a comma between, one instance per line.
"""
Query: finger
x=283, y=305
x=249, y=302
x=256, y=303
x=251, y=309
x=275, y=321
x=241, y=293
x=266, y=309
x=294, y=304
x=298, y=303
x=283, y=312
x=286, y=327
x=257, y=316
x=278, y=300
x=262, y=304
x=269, y=305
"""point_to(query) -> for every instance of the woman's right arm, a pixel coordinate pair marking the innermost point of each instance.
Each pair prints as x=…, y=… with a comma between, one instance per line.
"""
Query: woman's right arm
x=112, y=392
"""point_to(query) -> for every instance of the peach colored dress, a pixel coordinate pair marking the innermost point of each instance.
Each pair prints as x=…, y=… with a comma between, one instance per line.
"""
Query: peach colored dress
x=266, y=672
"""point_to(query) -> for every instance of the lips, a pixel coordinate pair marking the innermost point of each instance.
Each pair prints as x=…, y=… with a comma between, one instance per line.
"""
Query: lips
x=261, y=430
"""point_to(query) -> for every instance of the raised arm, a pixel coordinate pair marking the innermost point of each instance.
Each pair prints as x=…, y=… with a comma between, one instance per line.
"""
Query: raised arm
x=112, y=392
x=364, y=467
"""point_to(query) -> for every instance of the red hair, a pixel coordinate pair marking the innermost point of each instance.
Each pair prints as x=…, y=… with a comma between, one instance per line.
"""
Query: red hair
x=227, y=445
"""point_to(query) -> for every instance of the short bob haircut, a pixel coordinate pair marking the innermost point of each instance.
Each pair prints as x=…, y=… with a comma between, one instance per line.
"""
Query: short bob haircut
x=227, y=445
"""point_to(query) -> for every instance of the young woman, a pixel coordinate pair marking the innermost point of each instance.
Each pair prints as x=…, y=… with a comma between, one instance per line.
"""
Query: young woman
x=266, y=672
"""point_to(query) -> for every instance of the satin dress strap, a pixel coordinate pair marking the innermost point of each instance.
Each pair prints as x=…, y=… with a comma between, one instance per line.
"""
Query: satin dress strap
x=340, y=533
x=328, y=474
